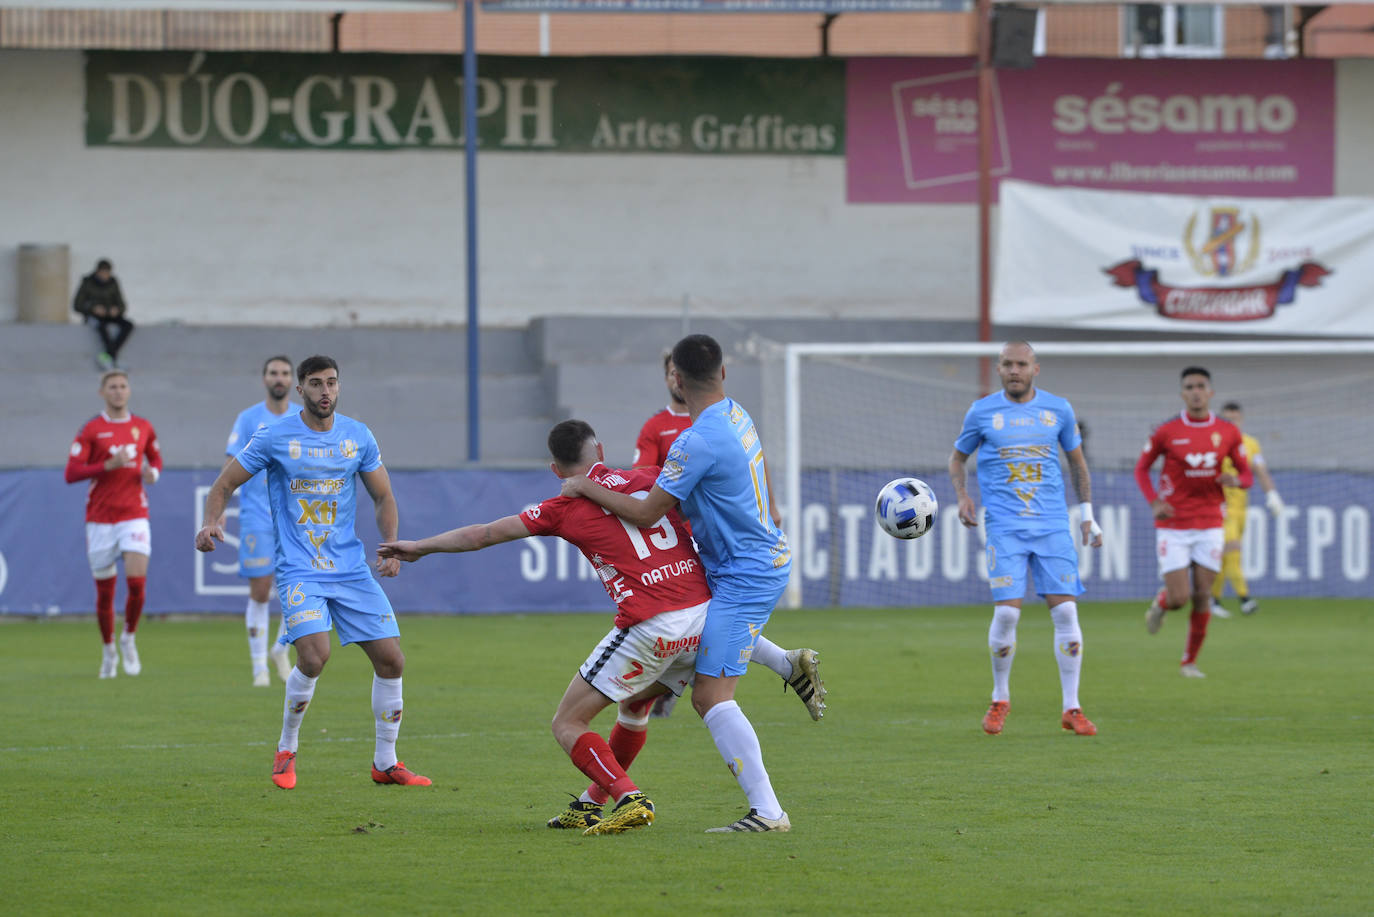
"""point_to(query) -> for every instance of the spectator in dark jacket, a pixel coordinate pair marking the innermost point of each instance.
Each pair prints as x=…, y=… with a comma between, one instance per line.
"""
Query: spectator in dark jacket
x=100, y=300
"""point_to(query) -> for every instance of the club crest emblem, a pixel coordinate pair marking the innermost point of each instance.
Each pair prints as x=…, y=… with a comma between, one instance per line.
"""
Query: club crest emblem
x=293, y=448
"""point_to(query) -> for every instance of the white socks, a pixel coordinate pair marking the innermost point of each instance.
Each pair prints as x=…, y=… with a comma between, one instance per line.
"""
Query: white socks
x=255, y=618
x=1068, y=649
x=739, y=746
x=299, y=691
x=768, y=653
x=1002, y=648
x=386, y=708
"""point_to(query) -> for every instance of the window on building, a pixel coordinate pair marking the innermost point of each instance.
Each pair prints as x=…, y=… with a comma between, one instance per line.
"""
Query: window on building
x=1172, y=30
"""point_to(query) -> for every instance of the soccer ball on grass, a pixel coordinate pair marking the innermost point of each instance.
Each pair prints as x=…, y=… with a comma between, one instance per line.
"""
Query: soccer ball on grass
x=906, y=508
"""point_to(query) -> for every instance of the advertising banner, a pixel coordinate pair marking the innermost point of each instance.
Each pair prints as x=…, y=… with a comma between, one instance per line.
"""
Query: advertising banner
x=1319, y=546
x=705, y=105
x=1155, y=262
x=1254, y=127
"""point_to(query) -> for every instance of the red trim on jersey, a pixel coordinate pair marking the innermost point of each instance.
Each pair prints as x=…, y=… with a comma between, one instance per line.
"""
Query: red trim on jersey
x=646, y=571
x=1192, y=450
x=657, y=435
x=118, y=495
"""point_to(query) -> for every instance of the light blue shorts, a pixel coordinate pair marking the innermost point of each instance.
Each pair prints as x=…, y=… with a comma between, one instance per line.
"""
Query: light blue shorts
x=257, y=552
x=1050, y=557
x=733, y=625
x=358, y=610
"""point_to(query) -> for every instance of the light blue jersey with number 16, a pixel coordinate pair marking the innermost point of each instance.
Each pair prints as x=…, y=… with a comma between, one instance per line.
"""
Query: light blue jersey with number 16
x=312, y=486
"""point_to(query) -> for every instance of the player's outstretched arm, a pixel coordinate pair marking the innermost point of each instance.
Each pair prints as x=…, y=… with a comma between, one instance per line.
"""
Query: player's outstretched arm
x=230, y=479
x=958, y=478
x=457, y=541
x=642, y=513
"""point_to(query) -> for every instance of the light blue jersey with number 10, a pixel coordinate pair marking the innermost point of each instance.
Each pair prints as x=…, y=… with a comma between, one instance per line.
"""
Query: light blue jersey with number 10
x=715, y=469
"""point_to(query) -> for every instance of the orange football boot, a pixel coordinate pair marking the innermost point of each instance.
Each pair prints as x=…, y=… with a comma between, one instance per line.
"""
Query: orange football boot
x=284, y=770
x=397, y=773
x=996, y=716
x=1075, y=720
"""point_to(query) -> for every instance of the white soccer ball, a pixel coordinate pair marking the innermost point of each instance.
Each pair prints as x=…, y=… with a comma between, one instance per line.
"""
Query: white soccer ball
x=906, y=508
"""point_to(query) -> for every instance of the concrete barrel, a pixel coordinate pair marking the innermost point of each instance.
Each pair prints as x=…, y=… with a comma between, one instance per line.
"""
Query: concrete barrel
x=44, y=283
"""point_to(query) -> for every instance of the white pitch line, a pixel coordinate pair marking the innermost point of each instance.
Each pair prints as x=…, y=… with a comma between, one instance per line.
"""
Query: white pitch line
x=21, y=749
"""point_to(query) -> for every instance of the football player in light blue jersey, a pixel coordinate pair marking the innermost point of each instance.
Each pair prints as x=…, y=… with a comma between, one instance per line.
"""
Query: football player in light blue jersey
x=311, y=459
x=715, y=470
x=257, y=539
x=1017, y=434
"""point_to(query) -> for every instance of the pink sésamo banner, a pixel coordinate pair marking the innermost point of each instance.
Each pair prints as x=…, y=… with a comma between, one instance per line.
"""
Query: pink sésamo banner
x=1215, y=127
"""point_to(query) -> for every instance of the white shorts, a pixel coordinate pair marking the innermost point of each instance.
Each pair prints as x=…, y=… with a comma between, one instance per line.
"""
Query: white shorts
x=663, y=648
x=1177, y=548
x=106, y=541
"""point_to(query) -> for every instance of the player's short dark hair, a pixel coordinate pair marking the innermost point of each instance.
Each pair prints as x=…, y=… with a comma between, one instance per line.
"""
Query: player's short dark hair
x=104, y=265
x=279, y=358
x=698, y=357
x=314, y=364
x=1194, y=371
x=1231, y=406
x=567, y=439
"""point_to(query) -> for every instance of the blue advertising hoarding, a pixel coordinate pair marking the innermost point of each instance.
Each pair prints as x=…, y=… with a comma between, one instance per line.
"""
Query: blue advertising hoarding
x=1319, y=546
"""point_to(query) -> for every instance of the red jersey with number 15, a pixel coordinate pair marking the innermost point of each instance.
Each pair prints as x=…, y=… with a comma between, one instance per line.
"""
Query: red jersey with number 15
x=117, y=495
x=645, y=571
x=1192, y=450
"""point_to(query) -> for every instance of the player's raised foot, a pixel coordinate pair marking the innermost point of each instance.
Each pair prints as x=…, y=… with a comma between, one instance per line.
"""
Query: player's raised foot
x=262, y=679
x=1219, y=610
x=634, y=811
x=579, y=814
x=806, y=681
x=1190, y=670
x=1074, y=721
x=284, y=770
x=663, y=706
x=129, y=651
x=1154, y=616
x=281, y=658
x=109, y=661
x=398, y=774
x=1249, y=606
x=104, y=361
x=754, y=822
x=996, y=716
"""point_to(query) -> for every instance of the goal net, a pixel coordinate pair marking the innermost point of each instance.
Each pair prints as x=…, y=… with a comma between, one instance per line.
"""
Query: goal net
x=843, y=419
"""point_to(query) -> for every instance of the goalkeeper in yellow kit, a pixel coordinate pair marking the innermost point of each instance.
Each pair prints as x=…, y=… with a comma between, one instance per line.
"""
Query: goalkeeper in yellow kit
x=1237, y=502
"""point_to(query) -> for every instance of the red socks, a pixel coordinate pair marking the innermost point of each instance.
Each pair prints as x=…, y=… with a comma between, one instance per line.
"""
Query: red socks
x=133, y=605
x=104, y=608
x=625, y=745
x=594, y=758
x=1197, y=632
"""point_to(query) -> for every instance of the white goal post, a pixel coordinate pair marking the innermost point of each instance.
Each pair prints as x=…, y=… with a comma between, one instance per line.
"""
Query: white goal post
x=842, y=418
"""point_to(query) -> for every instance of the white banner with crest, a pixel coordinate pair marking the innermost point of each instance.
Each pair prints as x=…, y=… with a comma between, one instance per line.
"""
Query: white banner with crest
x=1156, y=262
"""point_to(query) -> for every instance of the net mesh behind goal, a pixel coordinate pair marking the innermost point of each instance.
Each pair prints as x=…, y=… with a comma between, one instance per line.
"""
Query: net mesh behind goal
x=852, y=418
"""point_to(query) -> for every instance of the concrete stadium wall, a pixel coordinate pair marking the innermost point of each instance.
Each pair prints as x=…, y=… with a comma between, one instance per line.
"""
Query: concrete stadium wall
x=340, y=238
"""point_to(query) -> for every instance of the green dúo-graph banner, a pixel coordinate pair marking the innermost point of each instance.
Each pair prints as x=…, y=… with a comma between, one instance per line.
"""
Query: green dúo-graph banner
x=694, y=105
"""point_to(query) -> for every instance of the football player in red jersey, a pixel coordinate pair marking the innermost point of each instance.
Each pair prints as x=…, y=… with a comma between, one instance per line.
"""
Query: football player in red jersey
x=117, y=452
x=655, y=578
x=662, y=428
x=1188, y=506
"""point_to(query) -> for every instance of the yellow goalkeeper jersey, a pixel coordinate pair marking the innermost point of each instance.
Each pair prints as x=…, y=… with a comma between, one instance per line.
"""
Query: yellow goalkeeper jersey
x=1238, y=498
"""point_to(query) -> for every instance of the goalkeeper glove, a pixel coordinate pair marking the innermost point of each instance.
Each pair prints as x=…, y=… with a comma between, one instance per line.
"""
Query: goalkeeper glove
x=1274, y=502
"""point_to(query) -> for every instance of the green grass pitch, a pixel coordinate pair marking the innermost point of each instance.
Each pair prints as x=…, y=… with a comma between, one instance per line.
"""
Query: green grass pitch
x=1245, y=793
